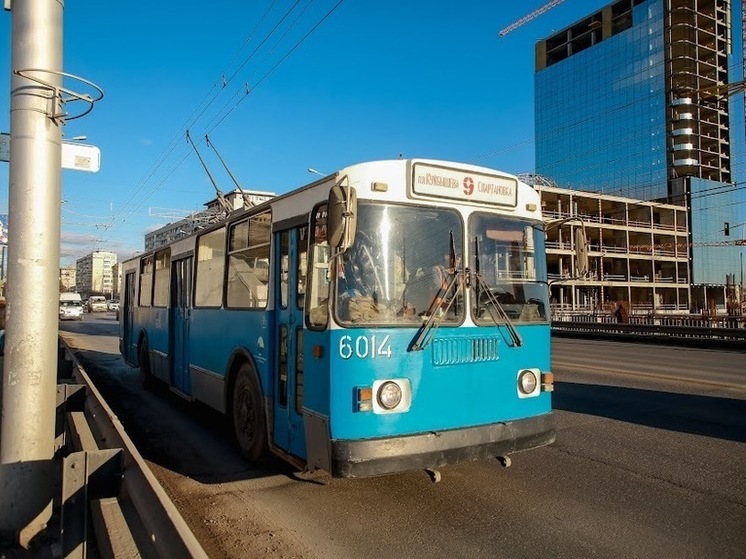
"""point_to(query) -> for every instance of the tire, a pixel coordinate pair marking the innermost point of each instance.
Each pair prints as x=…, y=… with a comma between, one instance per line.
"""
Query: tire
x=146, y=377
x=249, y=420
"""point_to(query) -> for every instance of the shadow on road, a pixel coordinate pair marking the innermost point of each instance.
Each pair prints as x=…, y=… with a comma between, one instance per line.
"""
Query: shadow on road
x=188, y=438
x=722, y=418
x=93, y=324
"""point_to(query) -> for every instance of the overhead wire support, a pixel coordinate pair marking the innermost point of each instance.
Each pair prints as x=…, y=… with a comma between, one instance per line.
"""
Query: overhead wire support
x=246, y=201
x=221, y=198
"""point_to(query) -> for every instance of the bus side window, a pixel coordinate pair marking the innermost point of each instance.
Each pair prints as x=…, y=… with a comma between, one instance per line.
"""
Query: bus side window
x=302, y=265
x=208, y=288
x=284, y=268
x=317, y=293
x=162, y=278
x=146, y=281
x=248, y=262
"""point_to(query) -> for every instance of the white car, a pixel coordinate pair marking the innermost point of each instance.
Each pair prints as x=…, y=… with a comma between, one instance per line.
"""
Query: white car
x=97, y=303
x=71, y=310
x=113, y=305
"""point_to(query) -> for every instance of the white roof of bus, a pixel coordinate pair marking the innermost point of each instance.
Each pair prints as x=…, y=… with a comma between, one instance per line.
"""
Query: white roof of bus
x=394, y=173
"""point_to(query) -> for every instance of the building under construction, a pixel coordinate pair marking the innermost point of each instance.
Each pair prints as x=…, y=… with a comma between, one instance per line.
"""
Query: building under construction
x=644, y=100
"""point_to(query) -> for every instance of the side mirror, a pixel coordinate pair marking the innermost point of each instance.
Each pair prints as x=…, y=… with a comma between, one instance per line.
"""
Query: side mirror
x=581, y=252
x=342, y=218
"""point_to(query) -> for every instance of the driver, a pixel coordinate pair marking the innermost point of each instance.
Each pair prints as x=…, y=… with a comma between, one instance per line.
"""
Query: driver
x=426, y=288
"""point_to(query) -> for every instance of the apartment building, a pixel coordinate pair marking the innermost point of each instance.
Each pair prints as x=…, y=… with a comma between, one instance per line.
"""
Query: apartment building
x=94, y=273
x=68, y=278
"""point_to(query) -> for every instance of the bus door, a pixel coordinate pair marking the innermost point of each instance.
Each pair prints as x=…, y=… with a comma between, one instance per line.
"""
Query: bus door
x=126, y=312
x=179, y=315
x=289, y=262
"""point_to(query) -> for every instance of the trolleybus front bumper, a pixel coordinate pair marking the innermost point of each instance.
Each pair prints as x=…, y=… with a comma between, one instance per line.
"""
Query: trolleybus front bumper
x=373, y=457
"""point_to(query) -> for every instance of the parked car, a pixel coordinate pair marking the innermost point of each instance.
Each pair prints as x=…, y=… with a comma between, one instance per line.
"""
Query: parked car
x=97, y=303
x=113, y=305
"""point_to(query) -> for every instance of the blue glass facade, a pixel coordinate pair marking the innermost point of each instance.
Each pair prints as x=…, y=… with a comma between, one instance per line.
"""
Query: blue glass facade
x=601, y=114
x=603, y=124
x=713, y=204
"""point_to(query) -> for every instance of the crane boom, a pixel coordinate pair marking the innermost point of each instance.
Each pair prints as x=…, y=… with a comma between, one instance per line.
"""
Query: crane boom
x=533, y=15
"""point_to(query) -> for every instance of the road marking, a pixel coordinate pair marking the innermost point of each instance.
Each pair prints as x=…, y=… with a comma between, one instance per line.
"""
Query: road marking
x=659, y=376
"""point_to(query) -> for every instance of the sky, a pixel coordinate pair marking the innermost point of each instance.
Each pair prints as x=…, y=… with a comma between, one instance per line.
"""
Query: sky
x=280, y=86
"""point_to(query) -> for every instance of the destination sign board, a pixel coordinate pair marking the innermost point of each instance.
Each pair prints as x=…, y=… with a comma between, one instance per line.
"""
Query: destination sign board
x=432, y=181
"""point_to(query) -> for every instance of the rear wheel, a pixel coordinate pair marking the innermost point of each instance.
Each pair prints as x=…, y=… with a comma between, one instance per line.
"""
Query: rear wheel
x=146, y=377
x=247, y=409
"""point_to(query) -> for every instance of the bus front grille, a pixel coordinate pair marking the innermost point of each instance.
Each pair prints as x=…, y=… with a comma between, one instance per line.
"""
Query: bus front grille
x=456, y=351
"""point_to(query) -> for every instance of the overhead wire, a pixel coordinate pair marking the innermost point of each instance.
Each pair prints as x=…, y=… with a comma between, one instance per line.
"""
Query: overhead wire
x=215, y=90
x=136, y=201
x=239, y=95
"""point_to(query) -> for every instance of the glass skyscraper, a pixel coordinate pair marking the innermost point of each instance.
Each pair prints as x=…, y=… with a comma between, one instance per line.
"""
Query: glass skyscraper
x=633, y=101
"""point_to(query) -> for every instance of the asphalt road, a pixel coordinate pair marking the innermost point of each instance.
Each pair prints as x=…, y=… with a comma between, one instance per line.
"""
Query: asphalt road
x=650, y=461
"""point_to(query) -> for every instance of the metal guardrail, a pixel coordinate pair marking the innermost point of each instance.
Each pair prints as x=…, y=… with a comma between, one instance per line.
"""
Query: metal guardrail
x=107, y=485
x=654, y=333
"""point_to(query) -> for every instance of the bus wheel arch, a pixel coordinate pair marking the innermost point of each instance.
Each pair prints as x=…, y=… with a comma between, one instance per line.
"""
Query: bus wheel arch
x=247, y=410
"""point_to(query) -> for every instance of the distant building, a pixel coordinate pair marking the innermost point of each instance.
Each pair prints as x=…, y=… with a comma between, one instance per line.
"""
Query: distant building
x=633, y=101
x=3, y=246
x=68, y=278
x=215, y=211
x=94, y=273
x=116, y=275
x=4, y=228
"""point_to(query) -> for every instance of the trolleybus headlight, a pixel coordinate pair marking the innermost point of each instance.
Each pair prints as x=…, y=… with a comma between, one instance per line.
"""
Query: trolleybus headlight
x=389, y=395
x=527, y=382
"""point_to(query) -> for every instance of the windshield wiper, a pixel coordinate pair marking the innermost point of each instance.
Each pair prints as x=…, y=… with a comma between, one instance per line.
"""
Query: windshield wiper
x=481, y=286
x=427, y=330
x=421, y=340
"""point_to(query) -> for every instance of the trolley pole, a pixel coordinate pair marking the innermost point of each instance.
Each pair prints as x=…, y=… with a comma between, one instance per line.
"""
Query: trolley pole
x=27, y=470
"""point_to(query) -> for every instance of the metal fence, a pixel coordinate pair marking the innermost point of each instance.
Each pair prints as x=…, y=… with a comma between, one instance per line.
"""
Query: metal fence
x=698, y=332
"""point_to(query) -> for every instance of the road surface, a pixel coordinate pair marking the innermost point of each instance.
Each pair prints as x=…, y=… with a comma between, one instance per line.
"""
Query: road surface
x=650, y=461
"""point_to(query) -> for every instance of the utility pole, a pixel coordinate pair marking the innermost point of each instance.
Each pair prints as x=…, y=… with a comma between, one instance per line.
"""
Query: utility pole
x=30, y=364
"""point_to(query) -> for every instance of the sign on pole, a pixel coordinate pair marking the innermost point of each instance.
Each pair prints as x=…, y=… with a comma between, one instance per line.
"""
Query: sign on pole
x=4, y=147
x=75, y=156
x=81, y=157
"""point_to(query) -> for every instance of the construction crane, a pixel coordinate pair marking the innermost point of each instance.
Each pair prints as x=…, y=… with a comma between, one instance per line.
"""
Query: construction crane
x=722, y=90
x=533, y=15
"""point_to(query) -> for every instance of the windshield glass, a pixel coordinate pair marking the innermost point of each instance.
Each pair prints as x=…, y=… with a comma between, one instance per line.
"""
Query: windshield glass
x=508, y=256
x=397, y=271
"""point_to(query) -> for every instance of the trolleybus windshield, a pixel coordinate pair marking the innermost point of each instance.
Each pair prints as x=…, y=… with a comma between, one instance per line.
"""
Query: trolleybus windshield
x=398, y=264
x=507, y=255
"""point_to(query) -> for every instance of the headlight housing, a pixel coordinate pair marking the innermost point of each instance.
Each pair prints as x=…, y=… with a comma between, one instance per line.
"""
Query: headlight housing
x=528, y=383
x=389, y=395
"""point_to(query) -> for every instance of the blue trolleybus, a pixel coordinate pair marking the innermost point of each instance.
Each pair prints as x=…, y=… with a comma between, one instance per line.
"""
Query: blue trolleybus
x=388, y=317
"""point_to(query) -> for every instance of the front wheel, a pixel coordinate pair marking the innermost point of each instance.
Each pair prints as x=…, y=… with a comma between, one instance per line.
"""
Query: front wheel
x=249, y=423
